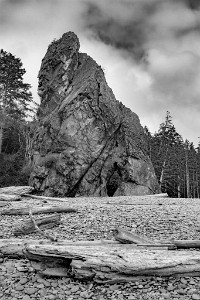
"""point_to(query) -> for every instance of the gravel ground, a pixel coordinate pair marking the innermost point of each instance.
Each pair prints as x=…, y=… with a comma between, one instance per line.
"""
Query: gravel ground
x=158, y=218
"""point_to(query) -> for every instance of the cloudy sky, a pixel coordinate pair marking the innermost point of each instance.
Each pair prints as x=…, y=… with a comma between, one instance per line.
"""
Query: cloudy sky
x=149, y=50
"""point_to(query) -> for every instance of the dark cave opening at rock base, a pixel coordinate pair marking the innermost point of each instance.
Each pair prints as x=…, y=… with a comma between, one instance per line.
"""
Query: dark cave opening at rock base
x=114, y=181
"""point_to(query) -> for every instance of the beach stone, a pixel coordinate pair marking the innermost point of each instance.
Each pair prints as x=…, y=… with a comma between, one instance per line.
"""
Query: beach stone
x=170, y=288
x=114, y=287
x=43, y=292
x=30, y=291
x=40, y=286
x=26, y=297
x=23, y=280
x=84, y=294
x=46, y=283
x=68, y=292
x=52, y=297
x=184, y=281
x=54, y=284
x=191, y=291
x=74, y=289
x=19, y=287
x=131, y=297
x=195, y=297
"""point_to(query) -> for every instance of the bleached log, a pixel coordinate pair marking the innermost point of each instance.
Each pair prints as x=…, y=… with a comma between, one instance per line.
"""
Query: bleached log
x=43, y=223
x=3, y=203
x=38, y=210
x=185, y=244
x=103, y=263
x=161, y=195
x=16, y=190
x=126, y=237
x=15, y=247
x=45, y=198
x=8, y=197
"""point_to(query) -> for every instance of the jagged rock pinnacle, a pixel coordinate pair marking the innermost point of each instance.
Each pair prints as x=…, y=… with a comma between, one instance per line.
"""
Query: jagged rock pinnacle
x=87, y=143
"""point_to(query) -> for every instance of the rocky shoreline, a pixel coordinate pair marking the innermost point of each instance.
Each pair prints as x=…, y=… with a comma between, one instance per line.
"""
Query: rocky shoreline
x=96, y=218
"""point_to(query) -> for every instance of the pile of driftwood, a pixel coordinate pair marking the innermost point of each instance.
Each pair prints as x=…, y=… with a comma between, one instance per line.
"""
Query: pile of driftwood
x=16, y=194
x=124, y=258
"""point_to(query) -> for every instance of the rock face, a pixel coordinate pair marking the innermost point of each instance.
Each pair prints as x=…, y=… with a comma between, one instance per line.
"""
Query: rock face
x=87, y=143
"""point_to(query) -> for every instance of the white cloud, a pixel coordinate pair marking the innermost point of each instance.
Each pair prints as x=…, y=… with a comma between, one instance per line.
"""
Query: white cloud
x=167, y=78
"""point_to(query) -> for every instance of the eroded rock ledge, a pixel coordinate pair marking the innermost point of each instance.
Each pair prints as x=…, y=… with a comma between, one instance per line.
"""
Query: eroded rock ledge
x=87, y=143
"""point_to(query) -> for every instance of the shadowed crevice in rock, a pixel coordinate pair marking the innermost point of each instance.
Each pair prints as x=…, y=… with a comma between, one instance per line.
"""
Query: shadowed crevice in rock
x=87, y=143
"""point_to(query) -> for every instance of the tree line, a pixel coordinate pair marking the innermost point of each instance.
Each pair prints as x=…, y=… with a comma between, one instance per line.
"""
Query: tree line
x=16, y=107
x=176, y=162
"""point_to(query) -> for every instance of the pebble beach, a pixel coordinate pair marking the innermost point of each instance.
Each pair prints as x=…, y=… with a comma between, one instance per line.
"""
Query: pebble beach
x=95, y=219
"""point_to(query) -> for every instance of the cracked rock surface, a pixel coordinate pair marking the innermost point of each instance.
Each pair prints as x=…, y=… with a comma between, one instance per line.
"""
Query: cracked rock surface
x=86, y=143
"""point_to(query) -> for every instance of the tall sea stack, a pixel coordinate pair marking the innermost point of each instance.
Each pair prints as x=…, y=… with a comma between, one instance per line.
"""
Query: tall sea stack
x=87, y=143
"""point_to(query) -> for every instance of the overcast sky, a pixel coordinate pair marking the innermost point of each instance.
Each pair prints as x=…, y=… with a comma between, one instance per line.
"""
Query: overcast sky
x=149, y=50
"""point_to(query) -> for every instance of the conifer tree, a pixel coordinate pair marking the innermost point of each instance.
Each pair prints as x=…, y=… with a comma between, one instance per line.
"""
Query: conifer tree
x=15, y=97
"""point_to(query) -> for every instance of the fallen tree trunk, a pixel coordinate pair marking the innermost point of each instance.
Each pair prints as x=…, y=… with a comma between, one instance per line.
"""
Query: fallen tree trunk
x=8, y=197
x=38, y=210
x=45, y=198
x=43, y=223
x=16, y=190
x=102, y=261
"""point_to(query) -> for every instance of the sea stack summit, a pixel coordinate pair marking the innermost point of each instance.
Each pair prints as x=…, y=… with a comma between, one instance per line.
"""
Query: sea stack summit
x=86, y=143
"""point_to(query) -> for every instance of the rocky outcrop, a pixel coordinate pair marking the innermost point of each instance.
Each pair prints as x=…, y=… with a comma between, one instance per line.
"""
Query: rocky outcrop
x=87, y=143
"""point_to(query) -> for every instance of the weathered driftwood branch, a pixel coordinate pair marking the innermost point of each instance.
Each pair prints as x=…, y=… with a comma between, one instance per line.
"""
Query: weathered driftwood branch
x=161, y=195
x=45, y=234
x=186, y=244
x=7, y=197
x=16, y=190
x=126, y=237
x=45, y=198
x=43, y=223
x=38, y=210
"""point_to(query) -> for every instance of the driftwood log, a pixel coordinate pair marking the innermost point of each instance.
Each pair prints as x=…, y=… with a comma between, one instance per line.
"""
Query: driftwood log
x=43, y=223
x=102, y=261
x=7, y=197
x=110, y=261
x=45, y=198
x=16, y=190
x=3, y=203
x=126, y=237
x=64, y=208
